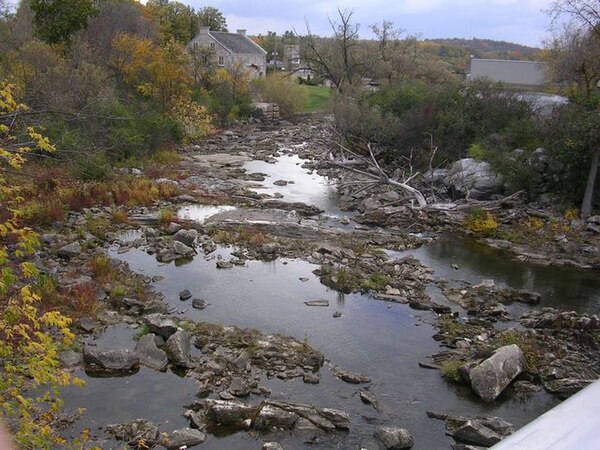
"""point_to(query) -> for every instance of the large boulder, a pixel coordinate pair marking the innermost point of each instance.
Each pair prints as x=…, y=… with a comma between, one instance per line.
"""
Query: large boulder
x=493, y=375
x=178, y=348
x=473, y=178
x=110, y=359
x=160, y=325
x=187, y=237
x=181, y=249
x=149, y=354
x=394, y=438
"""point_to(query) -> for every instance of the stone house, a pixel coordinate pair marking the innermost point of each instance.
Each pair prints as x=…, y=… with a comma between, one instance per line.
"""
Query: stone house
x=232, y=51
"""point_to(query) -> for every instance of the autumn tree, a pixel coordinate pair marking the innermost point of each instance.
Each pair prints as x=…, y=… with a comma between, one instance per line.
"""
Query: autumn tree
x=29, y=339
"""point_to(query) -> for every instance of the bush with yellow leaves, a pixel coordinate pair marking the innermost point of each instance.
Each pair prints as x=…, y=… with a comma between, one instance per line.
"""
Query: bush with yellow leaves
x=481, y=221
x=29, y=338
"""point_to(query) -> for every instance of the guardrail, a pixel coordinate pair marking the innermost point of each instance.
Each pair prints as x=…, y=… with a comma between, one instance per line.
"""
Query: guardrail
x=572, y=425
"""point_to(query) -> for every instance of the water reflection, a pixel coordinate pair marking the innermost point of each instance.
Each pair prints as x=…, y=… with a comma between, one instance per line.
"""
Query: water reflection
x=307, y=187
x=561, y=287
x=199, y=213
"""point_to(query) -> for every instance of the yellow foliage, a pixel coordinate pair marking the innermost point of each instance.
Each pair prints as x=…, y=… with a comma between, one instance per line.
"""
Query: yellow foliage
x=571, y=214
x=482, y=222
x=29, y=339
x=163, y=73
x=533, y=225
x=197, y=122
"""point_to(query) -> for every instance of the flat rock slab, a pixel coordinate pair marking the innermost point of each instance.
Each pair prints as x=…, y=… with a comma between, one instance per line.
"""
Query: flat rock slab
x=350, y=377
x=110, y=359
x=250, y=215
x=323, y=303
x=221, y=159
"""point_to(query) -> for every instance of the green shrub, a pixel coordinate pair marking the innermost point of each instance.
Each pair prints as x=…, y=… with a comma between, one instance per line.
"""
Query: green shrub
x=281, y=89
x=94, y=167
x=451, y=370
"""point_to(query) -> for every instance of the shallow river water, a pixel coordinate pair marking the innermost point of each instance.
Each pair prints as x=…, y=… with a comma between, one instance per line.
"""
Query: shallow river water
x=384, y=341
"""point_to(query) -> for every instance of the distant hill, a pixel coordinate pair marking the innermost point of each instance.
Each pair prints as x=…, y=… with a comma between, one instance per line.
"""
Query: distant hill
x=458, y=51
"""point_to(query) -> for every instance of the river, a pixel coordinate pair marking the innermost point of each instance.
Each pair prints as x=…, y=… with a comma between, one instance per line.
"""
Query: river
x=384, y=341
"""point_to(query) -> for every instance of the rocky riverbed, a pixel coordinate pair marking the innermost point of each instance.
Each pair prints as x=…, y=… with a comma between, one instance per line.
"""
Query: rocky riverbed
x=265, y=311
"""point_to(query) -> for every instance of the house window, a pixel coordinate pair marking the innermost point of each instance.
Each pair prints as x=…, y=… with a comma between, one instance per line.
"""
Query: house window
x=212, y=45
x=221, y=61
x=195, y=46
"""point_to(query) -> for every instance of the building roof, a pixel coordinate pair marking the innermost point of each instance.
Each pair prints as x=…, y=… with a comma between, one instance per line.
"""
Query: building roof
x=237, y=43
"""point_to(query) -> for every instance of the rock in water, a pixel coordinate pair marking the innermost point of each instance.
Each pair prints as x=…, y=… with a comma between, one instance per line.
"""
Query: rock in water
x=149, y=353
x=199, y=303
x=160, y=325
x=350, y=377
x=178, y=348
x=272, y=446
x=120, y=359
x=222, y=264
x=182, y=250
x=485, y=431
x=271, y=416
x=185, y=295
x=185, y=438
x=394, y=438
x=323, y=303
x=137, y=432
x=186, y=237
x=229, y=413
x=494, y=374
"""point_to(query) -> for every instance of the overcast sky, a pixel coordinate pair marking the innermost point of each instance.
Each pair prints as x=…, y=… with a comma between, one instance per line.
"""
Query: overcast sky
x=521, y=21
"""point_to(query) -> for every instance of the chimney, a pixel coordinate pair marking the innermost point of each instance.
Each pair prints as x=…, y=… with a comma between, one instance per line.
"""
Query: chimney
x=203, y=30
x=242, y=32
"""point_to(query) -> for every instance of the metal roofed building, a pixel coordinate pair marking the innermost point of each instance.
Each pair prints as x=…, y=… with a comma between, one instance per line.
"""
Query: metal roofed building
x=233, y=50
x=517, y=74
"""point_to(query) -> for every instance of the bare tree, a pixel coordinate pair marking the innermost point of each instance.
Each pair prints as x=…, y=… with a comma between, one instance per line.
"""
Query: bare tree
x=338, y=59
x=584, y=13
x=398, y=52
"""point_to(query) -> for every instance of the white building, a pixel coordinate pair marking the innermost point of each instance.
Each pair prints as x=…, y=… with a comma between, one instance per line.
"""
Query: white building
x=518, y=74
